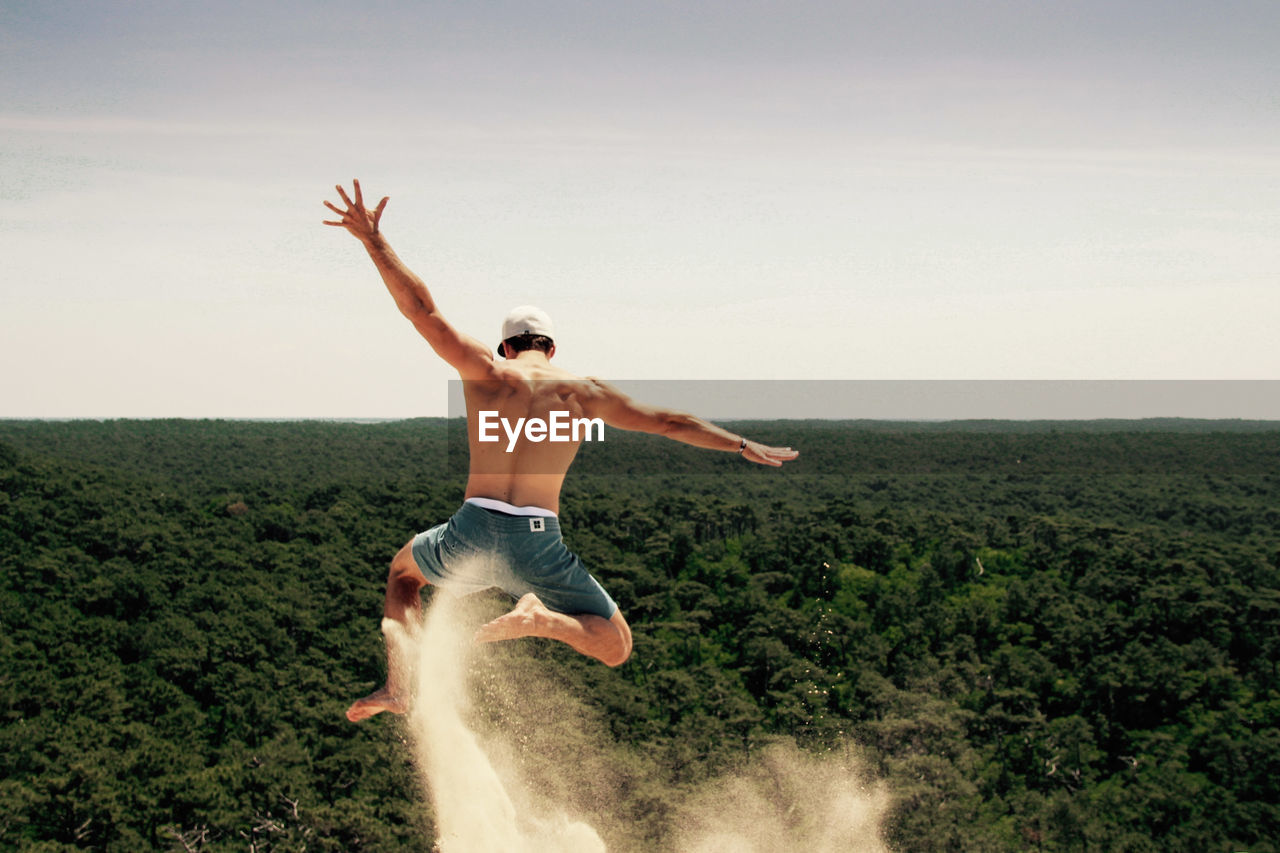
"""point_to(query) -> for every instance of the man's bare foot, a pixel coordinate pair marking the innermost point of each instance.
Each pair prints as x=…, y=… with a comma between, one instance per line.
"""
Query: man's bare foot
x=523, y=621
x=375, y=703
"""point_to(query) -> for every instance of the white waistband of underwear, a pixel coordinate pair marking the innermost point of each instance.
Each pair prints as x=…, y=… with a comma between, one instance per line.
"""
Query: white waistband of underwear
x=503, y=506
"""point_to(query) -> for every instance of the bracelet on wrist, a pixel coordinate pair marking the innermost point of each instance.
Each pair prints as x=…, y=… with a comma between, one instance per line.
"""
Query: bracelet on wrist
x=742, y=448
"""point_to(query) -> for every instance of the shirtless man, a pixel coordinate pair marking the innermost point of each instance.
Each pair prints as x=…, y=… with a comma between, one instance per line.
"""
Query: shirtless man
x=506, y=533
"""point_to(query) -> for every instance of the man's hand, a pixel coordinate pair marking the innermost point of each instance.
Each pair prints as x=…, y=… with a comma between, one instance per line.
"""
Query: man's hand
x=356, y=218
x=765, y=455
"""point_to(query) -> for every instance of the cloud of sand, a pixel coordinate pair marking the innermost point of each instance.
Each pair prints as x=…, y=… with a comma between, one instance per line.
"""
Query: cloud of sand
x=474, y=805
x=512, y=762
x=786, y=800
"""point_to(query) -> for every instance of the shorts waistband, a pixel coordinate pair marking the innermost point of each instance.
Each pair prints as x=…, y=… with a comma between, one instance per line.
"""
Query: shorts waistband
x=510, y=509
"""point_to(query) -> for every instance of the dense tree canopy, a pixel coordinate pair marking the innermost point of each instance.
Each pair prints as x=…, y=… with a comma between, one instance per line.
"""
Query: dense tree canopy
x=1044, y=636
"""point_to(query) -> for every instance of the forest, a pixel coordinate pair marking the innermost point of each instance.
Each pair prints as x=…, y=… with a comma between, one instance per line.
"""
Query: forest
x=1049, y=636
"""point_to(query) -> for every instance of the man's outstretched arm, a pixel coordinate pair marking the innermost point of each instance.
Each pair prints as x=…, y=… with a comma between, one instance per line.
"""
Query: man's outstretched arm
x=470, y=357
x=620, y=411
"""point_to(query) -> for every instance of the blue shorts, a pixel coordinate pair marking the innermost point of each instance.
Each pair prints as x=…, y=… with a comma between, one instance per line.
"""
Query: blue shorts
x=482, y=548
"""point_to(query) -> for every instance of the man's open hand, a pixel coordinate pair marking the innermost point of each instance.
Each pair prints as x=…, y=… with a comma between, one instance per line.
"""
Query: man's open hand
x=763, y=454
x=361, y=222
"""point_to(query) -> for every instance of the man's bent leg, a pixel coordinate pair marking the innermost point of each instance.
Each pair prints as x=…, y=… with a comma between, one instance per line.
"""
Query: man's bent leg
x=403, y=603
x=606, y=640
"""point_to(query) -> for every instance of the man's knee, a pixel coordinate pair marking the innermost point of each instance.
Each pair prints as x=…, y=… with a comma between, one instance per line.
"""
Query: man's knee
x=621, y=652
x=618, y=655
x=404, y=568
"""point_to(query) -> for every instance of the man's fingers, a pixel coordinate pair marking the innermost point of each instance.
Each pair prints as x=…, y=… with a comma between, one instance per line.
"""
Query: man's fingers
x=377, y=214
x=345, y=198
x=359, y=197
x=771, y=456
x=339, y=224
x=336, y=210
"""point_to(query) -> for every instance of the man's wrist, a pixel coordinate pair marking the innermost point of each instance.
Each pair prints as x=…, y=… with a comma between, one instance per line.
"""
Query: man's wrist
x=742, y=445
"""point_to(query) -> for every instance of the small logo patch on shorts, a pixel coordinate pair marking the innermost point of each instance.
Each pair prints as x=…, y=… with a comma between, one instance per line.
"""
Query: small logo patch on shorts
x=537, y=525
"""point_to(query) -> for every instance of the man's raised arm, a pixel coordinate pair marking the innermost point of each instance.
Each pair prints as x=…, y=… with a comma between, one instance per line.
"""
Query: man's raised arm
x=618, y=410
x=470, y=357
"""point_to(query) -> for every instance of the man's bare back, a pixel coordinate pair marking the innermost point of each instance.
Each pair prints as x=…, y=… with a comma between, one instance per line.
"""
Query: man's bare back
x=524, y=475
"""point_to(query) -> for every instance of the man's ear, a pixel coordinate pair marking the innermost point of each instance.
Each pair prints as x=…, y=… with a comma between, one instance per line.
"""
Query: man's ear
x=552, y=351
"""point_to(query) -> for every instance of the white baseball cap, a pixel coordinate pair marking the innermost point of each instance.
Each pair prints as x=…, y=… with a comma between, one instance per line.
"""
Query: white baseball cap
x=526, y=320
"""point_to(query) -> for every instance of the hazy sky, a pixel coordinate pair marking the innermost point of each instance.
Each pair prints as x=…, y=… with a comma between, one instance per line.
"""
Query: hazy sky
x=717, y=190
